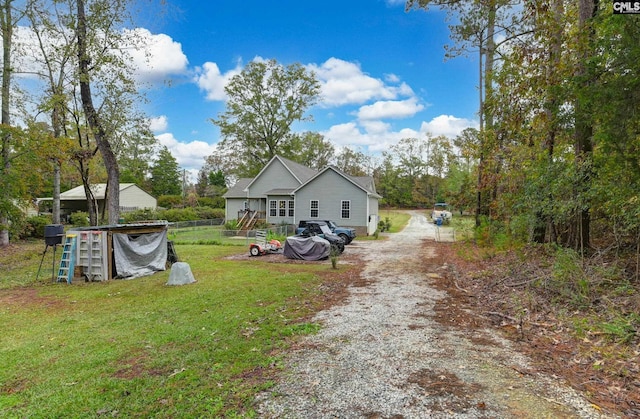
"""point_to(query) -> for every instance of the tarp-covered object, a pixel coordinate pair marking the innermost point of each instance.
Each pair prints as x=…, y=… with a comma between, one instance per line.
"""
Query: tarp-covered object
x=140, y=254
x=180, y=274
x=306, y=248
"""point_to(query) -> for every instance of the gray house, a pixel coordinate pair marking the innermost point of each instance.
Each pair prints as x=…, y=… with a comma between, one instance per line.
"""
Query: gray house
x=285, y=192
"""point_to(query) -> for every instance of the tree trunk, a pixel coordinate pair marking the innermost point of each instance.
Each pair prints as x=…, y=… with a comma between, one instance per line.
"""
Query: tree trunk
x=55, y=211
x=487, y=134
x=7, y=39
x=584, y=127
x=95, y=123
x=544, y=228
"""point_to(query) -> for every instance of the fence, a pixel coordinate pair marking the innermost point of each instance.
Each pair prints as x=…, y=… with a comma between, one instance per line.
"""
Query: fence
x=213, y=231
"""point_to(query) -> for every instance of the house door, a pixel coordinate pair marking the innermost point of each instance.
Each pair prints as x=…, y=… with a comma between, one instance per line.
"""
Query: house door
x=373, y=224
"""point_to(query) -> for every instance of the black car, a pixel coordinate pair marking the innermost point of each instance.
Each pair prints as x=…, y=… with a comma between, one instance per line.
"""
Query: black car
x=321, y=229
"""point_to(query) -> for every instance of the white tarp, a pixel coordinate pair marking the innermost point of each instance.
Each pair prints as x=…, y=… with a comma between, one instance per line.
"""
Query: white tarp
x=139, y=254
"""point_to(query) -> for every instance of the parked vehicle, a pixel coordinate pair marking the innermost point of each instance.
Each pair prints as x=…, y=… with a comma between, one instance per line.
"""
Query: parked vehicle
x=321, y=229
x=441, y=214
x=306, y=248
x=347, y=234
x=261, y=246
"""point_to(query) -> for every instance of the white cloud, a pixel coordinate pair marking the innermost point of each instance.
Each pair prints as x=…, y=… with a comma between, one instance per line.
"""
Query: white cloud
x=212, y=81
x=396, y=109
x=155, y=56
x=376, y=136
x=447, y=125
x=344, y=82
x=191, y=155
x=159, y=124
x=392, y=78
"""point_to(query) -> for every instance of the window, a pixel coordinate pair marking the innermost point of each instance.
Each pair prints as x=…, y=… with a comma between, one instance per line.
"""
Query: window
x=345, y=208
x=273, y=208
x=291, y=207
x=315, y=205
x=282, y=208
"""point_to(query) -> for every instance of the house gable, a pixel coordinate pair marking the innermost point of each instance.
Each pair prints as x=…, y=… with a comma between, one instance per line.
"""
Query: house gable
x=335, y=196
x=279, y=173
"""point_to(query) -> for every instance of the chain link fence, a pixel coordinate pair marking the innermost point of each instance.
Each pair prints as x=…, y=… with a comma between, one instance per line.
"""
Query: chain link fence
x=214, y=232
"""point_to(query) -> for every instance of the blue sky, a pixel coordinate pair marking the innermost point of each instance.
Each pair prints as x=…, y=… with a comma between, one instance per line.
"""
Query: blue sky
x=382, y=70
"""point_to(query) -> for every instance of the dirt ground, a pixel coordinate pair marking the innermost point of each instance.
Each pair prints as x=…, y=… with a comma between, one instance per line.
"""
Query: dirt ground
x=452, y=347
x=476, y=298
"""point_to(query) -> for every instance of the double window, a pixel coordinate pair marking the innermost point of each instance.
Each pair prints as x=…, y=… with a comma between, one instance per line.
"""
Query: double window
x=345, y=209
x=315, y=208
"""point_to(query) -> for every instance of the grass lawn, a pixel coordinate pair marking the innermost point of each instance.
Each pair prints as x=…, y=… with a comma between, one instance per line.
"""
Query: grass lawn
x=139, y=348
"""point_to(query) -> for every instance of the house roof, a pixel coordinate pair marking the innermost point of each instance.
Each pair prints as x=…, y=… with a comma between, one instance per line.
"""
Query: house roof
x=280, y=191
x=300, y=172
x=304, y=175
x=365, y=183
x=239, y=189
x=99, y=189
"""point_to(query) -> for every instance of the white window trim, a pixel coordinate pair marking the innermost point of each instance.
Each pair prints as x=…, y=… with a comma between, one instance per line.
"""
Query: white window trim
x=291, y=208
x=273, y=208
x=342, y=209
x=317, y=208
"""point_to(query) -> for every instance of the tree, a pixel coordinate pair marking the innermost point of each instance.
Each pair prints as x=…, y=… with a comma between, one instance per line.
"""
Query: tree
x=7, y=24
x=264, y=100
x=210, y=183
x=353, y=162
x=166, y=177
x=310, y=149
x=85, y=58
x=478, y=24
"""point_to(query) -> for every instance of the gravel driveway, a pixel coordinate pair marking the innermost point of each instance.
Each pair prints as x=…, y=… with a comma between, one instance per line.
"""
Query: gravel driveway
x=383, y=355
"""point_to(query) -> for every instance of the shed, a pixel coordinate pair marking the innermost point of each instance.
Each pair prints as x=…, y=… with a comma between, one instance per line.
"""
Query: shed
x=121, y=251
x=132, y=198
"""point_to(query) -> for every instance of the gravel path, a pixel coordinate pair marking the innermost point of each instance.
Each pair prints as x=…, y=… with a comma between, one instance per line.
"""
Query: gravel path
x=382, y=354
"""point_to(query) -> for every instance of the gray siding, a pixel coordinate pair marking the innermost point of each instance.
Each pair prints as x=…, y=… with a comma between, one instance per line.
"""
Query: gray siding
x=274, y=176
x=330, y=189
x=232, y=206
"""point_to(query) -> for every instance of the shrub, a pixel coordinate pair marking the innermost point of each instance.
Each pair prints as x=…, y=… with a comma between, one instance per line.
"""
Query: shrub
x=231, y=225
x=170, y=201
x=384, y=225
x=213, y=202
x=80, y=219
x=179, y=214
x=208, y=213
x=34, y=226
x=261, y=225
x=140, y=215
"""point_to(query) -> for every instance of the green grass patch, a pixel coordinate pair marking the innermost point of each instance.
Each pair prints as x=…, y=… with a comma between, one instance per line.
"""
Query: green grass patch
x=139, y=348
